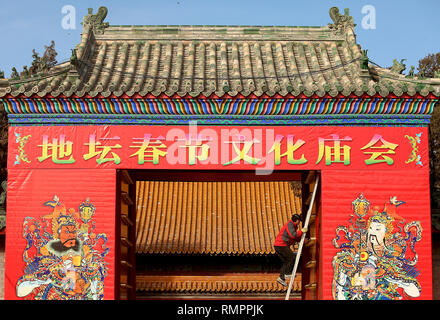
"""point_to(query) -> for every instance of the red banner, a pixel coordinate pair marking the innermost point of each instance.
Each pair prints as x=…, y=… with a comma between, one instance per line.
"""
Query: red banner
x=45, y=207
x=241, y=148
x=376, y=235
x=356, y=195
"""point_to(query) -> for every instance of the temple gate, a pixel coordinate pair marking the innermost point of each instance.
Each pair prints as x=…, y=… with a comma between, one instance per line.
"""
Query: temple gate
x=228, y=125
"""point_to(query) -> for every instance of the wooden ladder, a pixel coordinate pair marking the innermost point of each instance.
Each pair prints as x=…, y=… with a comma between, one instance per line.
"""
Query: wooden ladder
x=309, y=252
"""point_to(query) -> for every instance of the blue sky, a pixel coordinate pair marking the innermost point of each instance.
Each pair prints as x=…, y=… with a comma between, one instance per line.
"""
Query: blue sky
x=404, y=29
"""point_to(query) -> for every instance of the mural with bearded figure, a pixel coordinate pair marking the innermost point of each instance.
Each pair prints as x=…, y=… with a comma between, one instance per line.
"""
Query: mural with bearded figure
x=377, y=258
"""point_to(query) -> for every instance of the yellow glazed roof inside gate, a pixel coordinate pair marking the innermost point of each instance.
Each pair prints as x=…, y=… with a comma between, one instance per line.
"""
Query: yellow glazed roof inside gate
x=212, y=217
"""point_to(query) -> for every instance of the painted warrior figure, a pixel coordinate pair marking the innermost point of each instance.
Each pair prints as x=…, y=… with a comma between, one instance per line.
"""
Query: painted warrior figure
x=63, y=264
x=376, y=262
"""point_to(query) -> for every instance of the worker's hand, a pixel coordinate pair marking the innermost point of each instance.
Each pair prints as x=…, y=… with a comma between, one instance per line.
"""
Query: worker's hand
x=304, y=230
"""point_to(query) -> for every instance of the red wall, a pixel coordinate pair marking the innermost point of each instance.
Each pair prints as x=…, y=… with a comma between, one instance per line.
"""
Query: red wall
x=341, y=187
x=29, y=189
x=293, y=148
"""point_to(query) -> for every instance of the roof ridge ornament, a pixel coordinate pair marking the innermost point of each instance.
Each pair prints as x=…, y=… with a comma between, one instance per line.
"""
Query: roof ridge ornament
x=96, y=21
x=341, y=22
x=74, y=61
x=364, y=68
x=40, y=66
x=364, y=59
x=74, y=66
x=398, y=67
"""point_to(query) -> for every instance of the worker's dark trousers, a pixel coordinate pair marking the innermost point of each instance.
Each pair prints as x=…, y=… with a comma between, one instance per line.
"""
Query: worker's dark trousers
x=287, y=257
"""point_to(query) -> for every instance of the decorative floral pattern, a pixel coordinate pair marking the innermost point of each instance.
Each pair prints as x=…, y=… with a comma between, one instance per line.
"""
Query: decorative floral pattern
x=21, y=156
x=414, y=141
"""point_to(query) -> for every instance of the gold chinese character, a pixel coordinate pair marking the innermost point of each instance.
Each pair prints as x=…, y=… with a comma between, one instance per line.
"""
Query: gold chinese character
x=148, y=149
x=291, y=148
x=242, y=154
x=96, y=149
x=59, y=151
x=193, y=149
x=379, y=153
x=335, y=153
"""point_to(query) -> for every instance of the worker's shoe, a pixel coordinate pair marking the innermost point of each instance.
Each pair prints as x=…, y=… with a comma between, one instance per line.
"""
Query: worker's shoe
x=282, y=282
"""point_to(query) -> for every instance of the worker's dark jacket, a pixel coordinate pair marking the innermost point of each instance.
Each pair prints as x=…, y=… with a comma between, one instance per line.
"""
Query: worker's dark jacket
x=287, y=235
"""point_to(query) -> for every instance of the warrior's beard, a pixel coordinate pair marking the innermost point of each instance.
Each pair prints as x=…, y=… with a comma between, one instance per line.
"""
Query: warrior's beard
x=373, y=239
x=374, y=242
x=60, y=247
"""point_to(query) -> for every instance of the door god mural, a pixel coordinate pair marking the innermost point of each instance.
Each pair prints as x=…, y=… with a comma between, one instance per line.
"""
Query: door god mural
x=64, y=256
x=377, y=258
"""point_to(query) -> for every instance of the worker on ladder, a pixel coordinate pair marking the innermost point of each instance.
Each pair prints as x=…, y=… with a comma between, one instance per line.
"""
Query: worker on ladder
x=289, y=234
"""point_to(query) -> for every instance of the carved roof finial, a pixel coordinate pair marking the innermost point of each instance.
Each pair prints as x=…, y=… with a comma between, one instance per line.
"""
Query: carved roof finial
x=96, y=21
x=364, y=60
x=74, y=58
x=398, y=67
x=14, y=74
x=364, y=68
x=341, y=22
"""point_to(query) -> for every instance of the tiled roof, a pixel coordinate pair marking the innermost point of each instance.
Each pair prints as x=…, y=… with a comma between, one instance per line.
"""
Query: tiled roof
x=224, y=283
x=212, y=217
x=214, y=61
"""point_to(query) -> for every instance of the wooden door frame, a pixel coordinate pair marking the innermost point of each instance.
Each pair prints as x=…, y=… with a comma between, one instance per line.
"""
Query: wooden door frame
x=196, y=176
x=120, y=177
